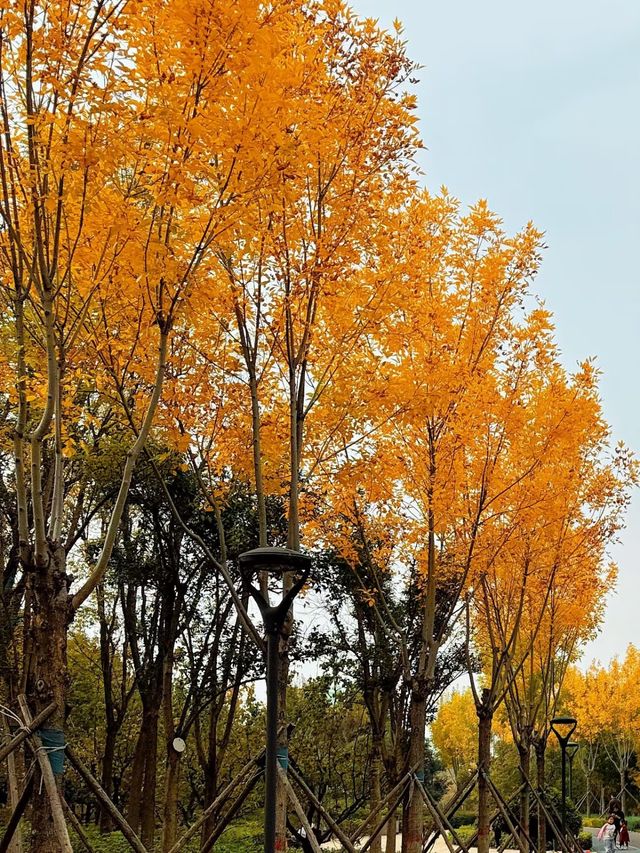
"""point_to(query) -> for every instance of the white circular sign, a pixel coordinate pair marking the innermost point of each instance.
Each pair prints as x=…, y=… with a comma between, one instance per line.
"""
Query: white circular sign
x=178, y=744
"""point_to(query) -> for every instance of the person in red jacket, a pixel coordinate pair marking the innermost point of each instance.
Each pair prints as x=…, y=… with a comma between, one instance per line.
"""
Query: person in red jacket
x=623, y=836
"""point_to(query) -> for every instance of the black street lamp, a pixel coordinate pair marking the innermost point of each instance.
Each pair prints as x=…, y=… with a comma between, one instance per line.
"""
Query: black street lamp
x=275, y=561
x=563, y=728
x=572, y=747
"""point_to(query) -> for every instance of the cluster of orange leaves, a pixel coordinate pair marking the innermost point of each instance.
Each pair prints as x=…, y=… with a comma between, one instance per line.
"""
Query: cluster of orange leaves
x=242, y=174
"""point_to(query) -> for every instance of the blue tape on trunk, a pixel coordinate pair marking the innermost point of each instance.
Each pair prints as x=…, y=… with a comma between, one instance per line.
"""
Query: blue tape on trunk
x=53, y=742
x=420, y=775
x=283, y=757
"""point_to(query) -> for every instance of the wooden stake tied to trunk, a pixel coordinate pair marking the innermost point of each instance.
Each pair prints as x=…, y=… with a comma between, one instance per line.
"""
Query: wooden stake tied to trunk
x=49, y=781
x=98, y=791
x=295, y=802
x=26, y=731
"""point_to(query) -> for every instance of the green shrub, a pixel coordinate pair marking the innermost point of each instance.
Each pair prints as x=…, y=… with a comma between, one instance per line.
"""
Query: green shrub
x=585, y=839
x=596, y=821
x=465, y=832
x=112, y=842
x=241, y=837
x=462, y=819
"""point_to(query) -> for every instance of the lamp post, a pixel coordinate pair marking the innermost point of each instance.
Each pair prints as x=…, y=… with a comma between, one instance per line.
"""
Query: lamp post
x=563, y=728
x=275, y=561
x=572, y=747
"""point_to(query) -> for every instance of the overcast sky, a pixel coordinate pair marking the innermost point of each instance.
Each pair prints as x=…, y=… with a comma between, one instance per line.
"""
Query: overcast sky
x=536, y=108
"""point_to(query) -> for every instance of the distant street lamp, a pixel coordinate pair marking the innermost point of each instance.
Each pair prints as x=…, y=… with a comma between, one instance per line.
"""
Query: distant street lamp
x=563, y=728
x=275, y=561
x=572, y=747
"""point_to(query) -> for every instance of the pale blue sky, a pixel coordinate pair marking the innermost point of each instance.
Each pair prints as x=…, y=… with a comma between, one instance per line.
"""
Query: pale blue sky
x=535, y=106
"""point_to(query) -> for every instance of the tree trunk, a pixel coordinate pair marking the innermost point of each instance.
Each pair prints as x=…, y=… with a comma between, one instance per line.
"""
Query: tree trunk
x=136, y=792
x=141, y=811
x=172, y=782
x=15, y=845
x=211, y=772
x=390, y=846
x=524, y=754
x=47, y=679
x=390, y=765
x=148, y=810
x=376, y=789
x=413, y=821
x=623, y=789
x=588, y=790
x=106, y=824
x=540, y=781
x=485, y=719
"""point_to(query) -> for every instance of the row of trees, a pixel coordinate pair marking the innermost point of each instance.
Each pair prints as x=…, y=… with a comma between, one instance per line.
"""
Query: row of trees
x=230, y=318
x=608, y=732
x=608, y=711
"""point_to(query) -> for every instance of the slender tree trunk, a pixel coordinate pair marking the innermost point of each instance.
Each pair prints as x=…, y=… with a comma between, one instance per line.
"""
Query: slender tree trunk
x=136, y=792
x=172, y=784
x=141, y=811
x=391, y=765
x=14, y=794
x=211, y=772
x=524, y=755
x=148, y=810
x=106, y=824
x=588, y=790
x=414, y=820
x=485, y=719
x=376, y=789
x=623, y=789
x=48, y=677
x=390, y=846
x=540, y=780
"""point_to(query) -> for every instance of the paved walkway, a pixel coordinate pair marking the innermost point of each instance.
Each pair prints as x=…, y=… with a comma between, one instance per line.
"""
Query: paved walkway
x=598, y=846
x=439, y=847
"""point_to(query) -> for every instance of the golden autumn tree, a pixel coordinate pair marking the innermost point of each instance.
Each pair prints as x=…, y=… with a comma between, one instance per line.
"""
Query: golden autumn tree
x=112, y=196
x=578, y=518
x=457, y=281
x=621, y=714
x=581, y=692
x=56, y=257
x=465, y=278
x=292, y=301
x=546, y=548
x=454, y=734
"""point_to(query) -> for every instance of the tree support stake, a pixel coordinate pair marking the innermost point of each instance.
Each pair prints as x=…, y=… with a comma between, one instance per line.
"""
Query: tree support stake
x=27, y=731
x=14, y=820
x=98, y=791
x=333, y=826
x=233, y=810
x=215, y=805
x=49, y=781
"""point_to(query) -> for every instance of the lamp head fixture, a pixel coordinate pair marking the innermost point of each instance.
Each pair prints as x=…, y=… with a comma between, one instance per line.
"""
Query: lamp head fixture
x=563, y=728
x=572, y=747
x=274, y=560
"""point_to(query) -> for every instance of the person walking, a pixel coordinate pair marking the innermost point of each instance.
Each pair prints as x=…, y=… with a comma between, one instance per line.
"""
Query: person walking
x=608, y=835
x=615, y=808
x=623, y=835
